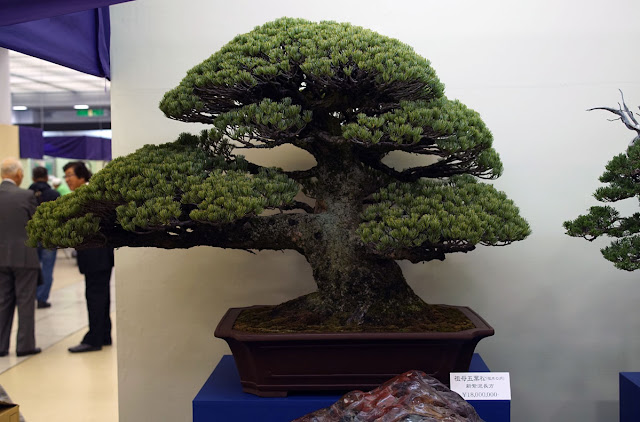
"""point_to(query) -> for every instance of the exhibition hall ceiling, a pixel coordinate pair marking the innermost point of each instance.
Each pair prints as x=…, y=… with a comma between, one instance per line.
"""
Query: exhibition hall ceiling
x=32, y=75
x=53, y=97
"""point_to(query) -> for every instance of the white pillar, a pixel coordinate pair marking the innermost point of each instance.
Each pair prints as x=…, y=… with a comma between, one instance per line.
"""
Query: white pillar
x=5, y=88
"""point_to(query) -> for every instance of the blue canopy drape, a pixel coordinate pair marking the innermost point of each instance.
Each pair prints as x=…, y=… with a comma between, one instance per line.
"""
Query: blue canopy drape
x=34, y=145
x=78, y=147
x=31, y=142
x=71, y=33
x=19, y=11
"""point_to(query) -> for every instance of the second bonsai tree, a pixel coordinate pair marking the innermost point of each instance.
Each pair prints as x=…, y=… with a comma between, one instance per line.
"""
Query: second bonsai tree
x=622, y=179
x=349, y=97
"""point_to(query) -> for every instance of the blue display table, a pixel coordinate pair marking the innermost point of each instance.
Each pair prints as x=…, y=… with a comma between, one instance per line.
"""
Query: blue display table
x=629, y=396
x=221, y=399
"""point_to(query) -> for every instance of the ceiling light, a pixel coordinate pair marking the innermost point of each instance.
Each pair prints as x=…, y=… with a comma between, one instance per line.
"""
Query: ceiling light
x=81, y=107
x=19, y=108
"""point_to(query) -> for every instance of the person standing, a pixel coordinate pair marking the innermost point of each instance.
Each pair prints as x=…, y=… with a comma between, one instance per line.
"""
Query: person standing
x=19, y=265
x=96, y=265
x=47, y=257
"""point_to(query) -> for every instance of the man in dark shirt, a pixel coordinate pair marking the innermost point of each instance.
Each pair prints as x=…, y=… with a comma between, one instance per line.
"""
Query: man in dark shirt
x=47, y=257
x=96, y=265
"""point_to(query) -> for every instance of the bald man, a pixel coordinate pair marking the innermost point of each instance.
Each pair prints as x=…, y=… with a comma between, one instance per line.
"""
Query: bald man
x=19, y=265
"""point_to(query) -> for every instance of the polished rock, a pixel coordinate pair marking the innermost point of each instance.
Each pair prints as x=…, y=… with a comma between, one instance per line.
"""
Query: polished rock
x=409, y=397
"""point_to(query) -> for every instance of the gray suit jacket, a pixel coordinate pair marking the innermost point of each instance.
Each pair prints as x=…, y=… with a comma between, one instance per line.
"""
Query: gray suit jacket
x=16, y=208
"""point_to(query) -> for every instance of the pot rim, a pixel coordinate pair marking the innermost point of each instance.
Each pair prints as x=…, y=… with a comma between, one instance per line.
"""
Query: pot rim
x=225, y=330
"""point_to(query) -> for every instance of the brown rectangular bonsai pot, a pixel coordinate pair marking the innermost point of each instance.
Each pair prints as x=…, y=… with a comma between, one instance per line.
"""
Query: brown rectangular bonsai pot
x=271, y=365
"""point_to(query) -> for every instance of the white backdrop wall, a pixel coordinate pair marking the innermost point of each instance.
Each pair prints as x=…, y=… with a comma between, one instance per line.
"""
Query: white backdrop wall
x=566, y=320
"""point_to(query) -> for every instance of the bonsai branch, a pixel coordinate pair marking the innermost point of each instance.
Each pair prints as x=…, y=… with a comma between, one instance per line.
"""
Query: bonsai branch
x=298, y=205
x=430, y=252
x=625, y=115
x=452, y=165
x=276, y=232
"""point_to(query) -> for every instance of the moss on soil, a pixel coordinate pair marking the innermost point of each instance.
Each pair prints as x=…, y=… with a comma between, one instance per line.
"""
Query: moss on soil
x=272, y=319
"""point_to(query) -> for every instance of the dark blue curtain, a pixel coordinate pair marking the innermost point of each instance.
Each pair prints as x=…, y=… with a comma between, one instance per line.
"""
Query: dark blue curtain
x=31, y=142
x=34, y=145
x=71, y=33
x=79, y=40
x=78, y=147
x=19, y=11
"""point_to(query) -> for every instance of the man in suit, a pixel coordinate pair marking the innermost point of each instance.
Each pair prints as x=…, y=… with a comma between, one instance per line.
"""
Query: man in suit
x=96, y=265
x=19, y=265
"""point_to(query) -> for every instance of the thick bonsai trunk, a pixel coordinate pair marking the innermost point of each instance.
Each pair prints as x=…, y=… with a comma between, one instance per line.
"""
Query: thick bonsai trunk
x=353, y=285
x=361, y=289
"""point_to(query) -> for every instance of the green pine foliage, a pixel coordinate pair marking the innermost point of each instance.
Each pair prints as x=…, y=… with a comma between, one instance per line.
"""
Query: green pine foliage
x=225, y=196
x=458, y=132
x=278, y=53
x=267, y=116
x=291, y=80
x=345, y=94
x=160, y=186
x=436, y=213
x=53, y=226
x=622, y=177
x=624, y=252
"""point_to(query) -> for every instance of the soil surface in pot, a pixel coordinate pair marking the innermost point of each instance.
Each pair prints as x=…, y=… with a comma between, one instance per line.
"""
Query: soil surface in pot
x=290, y=319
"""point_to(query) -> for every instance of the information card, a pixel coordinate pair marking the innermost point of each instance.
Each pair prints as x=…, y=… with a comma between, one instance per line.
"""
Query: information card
x=481, y=385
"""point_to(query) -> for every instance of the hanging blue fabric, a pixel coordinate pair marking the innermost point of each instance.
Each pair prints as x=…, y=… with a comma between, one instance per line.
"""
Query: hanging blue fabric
x=31, y=142
x=34, y=145
x=19, y=11
x=71, y=33
x=79, y=40
x=78, y=147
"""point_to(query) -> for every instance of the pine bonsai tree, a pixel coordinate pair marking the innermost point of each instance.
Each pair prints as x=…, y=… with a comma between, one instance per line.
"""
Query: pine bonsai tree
x=348, y=96
x=622, y=176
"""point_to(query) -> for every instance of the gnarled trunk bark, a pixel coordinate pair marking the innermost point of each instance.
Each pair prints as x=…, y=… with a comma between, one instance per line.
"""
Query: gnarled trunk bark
x=359, y=286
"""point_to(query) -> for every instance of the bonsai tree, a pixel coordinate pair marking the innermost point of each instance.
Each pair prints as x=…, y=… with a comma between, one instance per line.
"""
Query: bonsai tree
x=622, y=177
x=349, y=97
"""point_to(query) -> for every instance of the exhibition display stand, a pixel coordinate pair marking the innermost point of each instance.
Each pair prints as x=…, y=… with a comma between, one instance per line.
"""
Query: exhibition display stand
x=221, y=398
x=629, y=396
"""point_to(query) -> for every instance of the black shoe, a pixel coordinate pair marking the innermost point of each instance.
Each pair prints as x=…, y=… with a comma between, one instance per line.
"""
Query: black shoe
x=81, y=348
x=29, y=352
x=107, y=343
x=42, y=305
x=3, y=354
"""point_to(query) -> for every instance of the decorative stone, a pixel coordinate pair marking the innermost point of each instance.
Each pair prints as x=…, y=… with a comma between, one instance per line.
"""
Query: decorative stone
x=410, y=397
